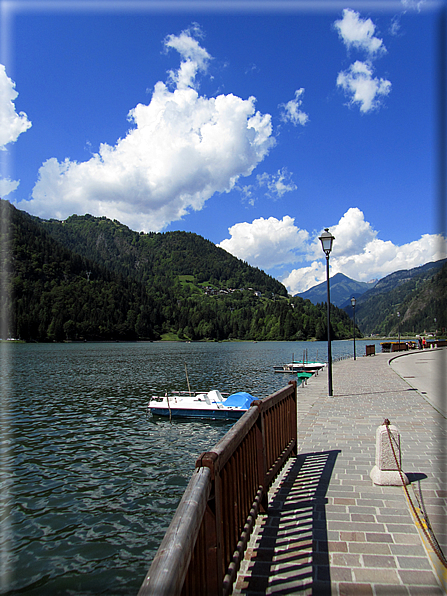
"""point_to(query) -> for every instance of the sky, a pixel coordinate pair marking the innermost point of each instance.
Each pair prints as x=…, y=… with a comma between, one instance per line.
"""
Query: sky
x=254, y=124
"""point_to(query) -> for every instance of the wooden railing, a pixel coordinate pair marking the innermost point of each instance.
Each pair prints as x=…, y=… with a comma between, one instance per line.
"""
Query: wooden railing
x=205, y=543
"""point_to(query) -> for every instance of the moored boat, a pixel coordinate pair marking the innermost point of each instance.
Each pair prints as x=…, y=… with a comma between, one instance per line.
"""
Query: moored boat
x=211, y=405
x=299, y=366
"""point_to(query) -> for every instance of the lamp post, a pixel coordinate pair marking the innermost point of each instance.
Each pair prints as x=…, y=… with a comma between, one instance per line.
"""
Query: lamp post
x=327, y=239
x=353, y=310
x=398, y=327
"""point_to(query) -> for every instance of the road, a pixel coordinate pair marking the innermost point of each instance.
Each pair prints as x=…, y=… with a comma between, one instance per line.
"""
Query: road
x=426, y=371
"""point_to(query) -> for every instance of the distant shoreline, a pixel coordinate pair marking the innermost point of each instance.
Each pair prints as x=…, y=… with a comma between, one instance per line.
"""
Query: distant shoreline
x=185, y=341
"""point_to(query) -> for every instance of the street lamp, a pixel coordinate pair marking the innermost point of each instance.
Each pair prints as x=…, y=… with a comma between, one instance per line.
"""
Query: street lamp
x=327, y=239
x=398, y=326
x=353, y=310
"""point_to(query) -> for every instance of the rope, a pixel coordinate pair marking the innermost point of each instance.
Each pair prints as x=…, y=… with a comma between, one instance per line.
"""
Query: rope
x=424, y=523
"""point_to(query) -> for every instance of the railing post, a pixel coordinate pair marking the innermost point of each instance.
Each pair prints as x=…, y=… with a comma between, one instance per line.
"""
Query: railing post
x=294, y=416
x=213, y=529
x=261, y=459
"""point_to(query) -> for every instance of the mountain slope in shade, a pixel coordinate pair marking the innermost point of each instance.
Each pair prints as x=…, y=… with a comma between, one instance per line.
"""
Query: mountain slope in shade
x=418, y=295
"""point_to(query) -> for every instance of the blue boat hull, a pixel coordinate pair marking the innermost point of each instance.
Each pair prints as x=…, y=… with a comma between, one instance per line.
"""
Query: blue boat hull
x=195, y=413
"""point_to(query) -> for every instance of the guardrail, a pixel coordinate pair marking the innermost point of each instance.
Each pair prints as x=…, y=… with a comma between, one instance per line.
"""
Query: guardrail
x=206, y=540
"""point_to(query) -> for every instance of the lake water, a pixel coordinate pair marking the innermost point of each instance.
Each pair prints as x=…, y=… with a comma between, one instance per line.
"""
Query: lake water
x=89, y=482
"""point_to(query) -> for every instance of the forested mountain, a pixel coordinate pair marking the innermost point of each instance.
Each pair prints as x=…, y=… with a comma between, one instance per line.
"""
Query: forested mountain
x=343, y=288
x=419, y=295
x=94, y=279
x=398, y=278
x=154, y=255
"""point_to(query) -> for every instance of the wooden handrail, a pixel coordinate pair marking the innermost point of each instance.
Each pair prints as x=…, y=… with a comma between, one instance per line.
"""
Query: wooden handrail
x=205, y=543
x=175, y=551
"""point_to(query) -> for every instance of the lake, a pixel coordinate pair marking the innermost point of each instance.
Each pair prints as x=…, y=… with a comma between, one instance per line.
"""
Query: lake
x=90, y=482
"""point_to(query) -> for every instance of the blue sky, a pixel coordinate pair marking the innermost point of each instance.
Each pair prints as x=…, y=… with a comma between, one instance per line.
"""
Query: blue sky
x=254, y=124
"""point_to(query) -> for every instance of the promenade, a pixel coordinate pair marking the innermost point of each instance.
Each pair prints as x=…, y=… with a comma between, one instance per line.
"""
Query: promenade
x=329, y=529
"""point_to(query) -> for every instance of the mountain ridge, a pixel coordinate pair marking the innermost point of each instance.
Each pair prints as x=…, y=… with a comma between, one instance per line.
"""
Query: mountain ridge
x=138, y=254
x=419, y=296
x=342, y=289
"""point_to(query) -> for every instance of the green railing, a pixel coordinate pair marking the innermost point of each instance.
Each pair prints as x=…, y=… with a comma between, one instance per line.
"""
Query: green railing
x=205, y=543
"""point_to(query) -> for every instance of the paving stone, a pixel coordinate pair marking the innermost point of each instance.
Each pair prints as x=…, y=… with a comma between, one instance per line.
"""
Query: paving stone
x=425, y=591
x=421, y=578
x=402, y=528
x=340, y=574
x=414, y=563
x=376, y=576
x=407, y=538
x=346, y=560
x=363, y=517
x=342, y=517
x=383, y=590
x=330, y=546
x=371, y=548
x=355, y=589
x=408, y=550
x=384, y=562
x=362, y=509
x=378, y=537
x=353, y=536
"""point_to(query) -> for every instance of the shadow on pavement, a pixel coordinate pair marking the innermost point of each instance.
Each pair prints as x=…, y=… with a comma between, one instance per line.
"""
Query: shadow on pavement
x=292, y=547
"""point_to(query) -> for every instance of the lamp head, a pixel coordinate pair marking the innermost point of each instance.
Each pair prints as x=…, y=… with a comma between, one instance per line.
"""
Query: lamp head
x=326, y=239
x=353, y=302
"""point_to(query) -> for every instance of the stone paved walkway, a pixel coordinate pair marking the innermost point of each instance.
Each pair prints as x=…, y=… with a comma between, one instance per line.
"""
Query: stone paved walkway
x=329, y=529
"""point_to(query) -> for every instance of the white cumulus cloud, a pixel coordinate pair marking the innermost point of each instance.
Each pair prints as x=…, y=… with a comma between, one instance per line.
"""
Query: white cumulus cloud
x=360, y=86
x=7, y=186
x=12, y=124
x=291, y=111
x=182, y=149
x=265, y=243
x=359, y=33
x=383, y=257
x=352, y=234
x=358, y=82
x=195, y=58
x=300, y=280
x=357, y=251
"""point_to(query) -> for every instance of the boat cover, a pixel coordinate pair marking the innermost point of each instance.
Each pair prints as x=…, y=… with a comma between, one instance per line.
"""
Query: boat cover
x=239, y=400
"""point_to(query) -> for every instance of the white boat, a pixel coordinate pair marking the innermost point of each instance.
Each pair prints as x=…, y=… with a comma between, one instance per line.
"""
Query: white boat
x=299, y=366
x=211, y=405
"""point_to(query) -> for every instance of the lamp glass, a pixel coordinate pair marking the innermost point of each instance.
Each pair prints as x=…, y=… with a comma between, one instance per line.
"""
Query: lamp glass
x=326, y=239
x=353, y=301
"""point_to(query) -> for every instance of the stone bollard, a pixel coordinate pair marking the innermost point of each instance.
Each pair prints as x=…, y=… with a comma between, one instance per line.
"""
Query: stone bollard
x=386, y=471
